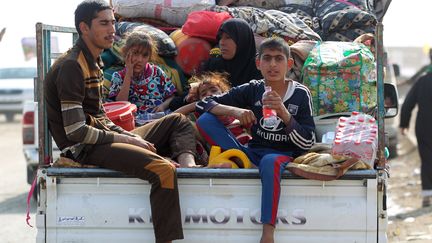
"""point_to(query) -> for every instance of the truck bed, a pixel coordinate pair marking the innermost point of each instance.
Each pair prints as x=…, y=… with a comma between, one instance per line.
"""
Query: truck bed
x=218, y=205
x=195, y=173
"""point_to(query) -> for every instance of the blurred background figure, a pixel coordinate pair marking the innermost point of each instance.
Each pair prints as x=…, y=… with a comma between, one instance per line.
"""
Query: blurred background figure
x=2, y=32
x=419, y=95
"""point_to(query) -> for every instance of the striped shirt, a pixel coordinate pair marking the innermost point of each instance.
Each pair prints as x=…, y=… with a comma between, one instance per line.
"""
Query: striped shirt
x=298, y=136
x=73, y=95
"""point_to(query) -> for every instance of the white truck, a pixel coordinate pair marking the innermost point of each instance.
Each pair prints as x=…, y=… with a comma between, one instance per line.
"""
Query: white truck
x=218, y=205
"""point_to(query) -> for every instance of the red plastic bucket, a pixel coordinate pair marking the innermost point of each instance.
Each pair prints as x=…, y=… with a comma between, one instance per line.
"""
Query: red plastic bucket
x=121, y=113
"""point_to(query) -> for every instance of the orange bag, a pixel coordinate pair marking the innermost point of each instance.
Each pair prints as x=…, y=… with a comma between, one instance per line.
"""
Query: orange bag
x=204, y=24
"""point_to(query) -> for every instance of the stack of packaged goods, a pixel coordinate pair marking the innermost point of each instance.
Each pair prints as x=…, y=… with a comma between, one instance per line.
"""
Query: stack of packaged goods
x=356, y=136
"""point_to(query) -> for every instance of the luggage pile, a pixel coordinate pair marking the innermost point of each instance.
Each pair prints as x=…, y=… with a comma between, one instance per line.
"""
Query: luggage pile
x=185, y=32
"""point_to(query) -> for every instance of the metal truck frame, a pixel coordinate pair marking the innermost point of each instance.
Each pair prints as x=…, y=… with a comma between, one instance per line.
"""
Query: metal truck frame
x=218, y=205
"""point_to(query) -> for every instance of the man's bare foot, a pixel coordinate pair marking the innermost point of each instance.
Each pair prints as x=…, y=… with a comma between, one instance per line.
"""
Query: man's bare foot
x=186, y=160
x=267, y=234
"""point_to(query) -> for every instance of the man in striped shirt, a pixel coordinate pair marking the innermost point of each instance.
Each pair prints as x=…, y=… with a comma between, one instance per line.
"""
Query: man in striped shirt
x=83, y=132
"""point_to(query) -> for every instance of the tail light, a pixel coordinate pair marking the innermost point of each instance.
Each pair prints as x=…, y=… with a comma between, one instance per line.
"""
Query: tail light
x=28, y=130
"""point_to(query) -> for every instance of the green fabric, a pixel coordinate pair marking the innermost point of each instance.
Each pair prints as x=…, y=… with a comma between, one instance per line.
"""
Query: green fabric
x=341, y=77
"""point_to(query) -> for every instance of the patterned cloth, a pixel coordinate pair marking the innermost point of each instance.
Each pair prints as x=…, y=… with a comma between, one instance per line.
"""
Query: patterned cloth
x=272, y=23
x=299, y=52
x=341, y=77
x=147, y=91
x=304, y=12
x=343, y=20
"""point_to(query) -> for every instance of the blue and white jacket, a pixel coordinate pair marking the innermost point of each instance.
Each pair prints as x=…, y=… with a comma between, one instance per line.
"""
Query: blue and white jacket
x=298, y=136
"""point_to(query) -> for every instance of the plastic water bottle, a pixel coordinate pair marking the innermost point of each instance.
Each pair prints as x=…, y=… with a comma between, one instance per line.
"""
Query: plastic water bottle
x=269, y=115
x=356, y=136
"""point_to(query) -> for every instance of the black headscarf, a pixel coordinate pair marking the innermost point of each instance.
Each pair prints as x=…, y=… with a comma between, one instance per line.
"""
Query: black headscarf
x=241, y=68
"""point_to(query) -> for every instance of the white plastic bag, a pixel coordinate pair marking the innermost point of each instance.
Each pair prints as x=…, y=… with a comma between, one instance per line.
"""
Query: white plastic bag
x=173, y=12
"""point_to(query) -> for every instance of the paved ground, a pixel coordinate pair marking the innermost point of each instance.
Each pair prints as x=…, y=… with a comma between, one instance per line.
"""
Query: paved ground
x=14, y=188
x=408, y=221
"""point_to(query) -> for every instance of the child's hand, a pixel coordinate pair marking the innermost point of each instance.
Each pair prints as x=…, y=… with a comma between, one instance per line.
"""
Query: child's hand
x=273, y=101
x=159, y=108
x=129, y=64
x=246, y=117
x=193, y=93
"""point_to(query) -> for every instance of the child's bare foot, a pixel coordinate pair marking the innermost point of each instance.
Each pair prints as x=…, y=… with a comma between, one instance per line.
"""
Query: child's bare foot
x=267, y=234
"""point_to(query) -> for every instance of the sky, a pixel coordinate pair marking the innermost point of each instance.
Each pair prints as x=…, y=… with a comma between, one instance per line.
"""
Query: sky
x=406, y=23
x=402, y=23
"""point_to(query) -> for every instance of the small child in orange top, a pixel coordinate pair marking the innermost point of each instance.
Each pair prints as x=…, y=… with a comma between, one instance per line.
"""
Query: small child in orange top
x=209, y=84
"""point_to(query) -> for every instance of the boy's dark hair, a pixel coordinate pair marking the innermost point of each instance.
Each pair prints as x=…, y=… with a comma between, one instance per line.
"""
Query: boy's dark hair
x=88, y=10
x=274, y=43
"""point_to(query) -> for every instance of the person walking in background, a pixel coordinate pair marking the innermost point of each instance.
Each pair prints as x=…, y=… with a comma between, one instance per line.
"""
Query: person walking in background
x=84, y=133
x=420, y=95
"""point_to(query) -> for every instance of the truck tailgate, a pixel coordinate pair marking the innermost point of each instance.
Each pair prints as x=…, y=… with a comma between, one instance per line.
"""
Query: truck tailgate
x=99, y=205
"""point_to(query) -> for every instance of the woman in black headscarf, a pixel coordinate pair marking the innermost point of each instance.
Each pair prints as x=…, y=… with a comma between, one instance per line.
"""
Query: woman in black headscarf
x=237, y=57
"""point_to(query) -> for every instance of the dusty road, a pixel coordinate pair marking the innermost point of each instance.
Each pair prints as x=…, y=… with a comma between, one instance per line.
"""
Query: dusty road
x=408, y=221
x=14, y=188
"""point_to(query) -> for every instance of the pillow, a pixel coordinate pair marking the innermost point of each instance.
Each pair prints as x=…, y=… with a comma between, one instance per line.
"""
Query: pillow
x=192, y=51
x=204, y=24
x=165, y=44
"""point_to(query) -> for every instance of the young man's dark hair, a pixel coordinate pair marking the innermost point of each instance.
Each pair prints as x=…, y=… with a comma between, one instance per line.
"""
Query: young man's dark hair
x=275, y=43
x=87, y=11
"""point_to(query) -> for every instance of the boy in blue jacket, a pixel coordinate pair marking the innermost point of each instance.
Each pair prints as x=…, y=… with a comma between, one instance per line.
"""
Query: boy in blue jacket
x=271, y=148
